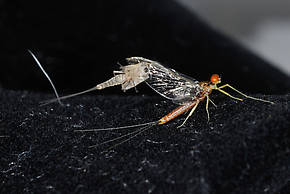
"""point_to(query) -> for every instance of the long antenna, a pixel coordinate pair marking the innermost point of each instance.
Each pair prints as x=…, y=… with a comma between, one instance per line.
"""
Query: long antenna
x=47, y=76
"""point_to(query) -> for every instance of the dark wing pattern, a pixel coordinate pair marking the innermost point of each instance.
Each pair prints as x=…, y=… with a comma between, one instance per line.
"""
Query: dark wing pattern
x=172, y=85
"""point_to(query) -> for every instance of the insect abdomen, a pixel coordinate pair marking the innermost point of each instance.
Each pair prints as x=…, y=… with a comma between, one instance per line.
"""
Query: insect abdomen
x=116, y=80
x=176, y=112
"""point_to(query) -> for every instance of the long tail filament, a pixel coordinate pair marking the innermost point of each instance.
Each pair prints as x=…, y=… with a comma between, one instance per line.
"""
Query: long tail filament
x=130, y=135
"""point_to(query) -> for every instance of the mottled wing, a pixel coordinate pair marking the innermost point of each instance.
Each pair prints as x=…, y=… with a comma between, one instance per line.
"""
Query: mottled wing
x=172, y=85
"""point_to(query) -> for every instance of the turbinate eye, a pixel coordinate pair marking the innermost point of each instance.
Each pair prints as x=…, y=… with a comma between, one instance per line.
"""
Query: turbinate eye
x=215, y=78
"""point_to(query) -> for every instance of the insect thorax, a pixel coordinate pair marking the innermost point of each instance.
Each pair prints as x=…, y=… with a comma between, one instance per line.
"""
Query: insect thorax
x=206, y=89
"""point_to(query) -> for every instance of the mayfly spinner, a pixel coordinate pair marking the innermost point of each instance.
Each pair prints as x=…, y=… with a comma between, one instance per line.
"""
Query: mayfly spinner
x=128, y=76
x=181, y=89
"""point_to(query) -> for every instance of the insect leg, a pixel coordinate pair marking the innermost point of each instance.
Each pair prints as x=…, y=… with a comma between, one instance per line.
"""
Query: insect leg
x=119, y=64
x=191, y=112
x=212, y=102
x=135, y=87
x=224, y=92
x=253, y=98
x=117, y=72
x=206, y=108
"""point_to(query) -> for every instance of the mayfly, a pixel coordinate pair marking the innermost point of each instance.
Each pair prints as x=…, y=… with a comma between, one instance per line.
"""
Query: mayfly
x=181, y=89
x=128, y=76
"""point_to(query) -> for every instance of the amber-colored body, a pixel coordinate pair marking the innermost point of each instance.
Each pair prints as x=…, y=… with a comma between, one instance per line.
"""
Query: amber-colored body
x=207, y=88
x=176, y=112
x=166, y=82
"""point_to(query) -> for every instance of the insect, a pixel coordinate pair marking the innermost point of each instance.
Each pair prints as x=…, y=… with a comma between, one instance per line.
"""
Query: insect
x=181, y=89
x=128, y=76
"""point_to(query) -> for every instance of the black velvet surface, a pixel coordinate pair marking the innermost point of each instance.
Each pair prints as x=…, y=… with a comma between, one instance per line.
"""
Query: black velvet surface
x=243, y=149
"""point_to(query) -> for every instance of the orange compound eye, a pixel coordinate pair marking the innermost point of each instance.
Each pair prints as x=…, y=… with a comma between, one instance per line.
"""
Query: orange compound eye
x=215, y=78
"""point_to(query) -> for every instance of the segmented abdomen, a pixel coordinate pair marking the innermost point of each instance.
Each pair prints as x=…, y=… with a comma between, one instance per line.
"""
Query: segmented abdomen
x=116, y=80
x=176, y=112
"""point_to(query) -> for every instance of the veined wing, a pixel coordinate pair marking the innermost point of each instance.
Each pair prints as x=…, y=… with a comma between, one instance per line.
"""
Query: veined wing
x=172, y=85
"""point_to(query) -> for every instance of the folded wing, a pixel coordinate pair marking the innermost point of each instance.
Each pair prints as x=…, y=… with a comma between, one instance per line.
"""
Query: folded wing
x=172, y=85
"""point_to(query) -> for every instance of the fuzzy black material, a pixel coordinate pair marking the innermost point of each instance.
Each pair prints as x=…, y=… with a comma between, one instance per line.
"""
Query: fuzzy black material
x=243, y=149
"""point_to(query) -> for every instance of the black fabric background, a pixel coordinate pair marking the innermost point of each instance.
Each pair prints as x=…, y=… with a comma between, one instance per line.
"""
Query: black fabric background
x=243, y=149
